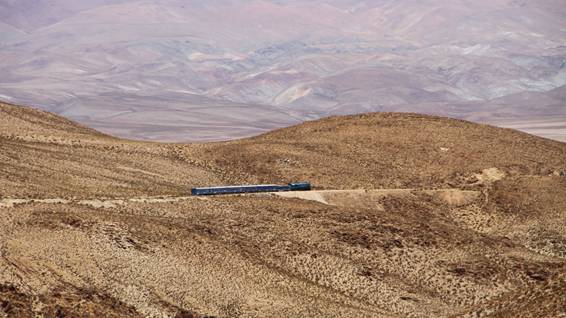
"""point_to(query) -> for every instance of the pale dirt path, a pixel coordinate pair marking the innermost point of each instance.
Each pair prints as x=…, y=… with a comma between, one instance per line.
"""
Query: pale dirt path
x=355, y=198
x=95, y=203
x=329, y=197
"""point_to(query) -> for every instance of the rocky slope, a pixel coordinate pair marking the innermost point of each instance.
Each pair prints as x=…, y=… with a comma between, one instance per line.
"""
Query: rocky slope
x=386, y=150
x=111, y=233
x=47, y=156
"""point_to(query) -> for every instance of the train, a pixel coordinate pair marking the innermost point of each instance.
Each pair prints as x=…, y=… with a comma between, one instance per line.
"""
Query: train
x=258, y=188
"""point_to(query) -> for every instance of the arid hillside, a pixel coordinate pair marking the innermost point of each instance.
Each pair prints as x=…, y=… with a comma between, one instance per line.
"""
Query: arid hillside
x=387, y=150
x=412, y=216
x=45, y=155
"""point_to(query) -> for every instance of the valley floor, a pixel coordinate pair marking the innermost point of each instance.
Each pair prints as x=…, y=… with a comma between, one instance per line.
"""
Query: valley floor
x=548, y=127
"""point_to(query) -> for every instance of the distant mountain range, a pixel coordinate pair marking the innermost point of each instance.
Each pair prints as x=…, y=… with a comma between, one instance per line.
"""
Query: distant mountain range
x=209, y=70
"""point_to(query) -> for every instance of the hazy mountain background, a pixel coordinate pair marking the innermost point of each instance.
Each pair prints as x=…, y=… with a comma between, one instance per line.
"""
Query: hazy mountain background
x=217, y=69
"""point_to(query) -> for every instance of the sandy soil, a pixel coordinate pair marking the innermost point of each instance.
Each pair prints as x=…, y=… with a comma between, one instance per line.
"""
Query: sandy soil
x=473, y=223
x=355, y=198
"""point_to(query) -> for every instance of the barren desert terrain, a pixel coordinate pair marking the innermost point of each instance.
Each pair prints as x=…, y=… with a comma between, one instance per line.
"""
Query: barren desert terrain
x=411, y=216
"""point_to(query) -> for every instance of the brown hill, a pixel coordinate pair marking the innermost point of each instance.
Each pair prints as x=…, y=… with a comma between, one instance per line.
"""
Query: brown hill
x=44, y=155
x=387, y=150
x=97, y=226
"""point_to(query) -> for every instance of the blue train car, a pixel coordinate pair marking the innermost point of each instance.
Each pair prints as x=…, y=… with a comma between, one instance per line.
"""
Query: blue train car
x=297, y=186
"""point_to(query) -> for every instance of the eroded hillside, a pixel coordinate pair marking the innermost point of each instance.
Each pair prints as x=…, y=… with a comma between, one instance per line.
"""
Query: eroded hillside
x=44, y=155
x=477, y=230
x=387, y=150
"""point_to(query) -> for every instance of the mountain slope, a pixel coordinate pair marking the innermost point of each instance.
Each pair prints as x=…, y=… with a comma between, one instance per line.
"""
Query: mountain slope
x=369, y=151
x=44, y=155
x=98, y=226
x=386, y=150
x=112, y=64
